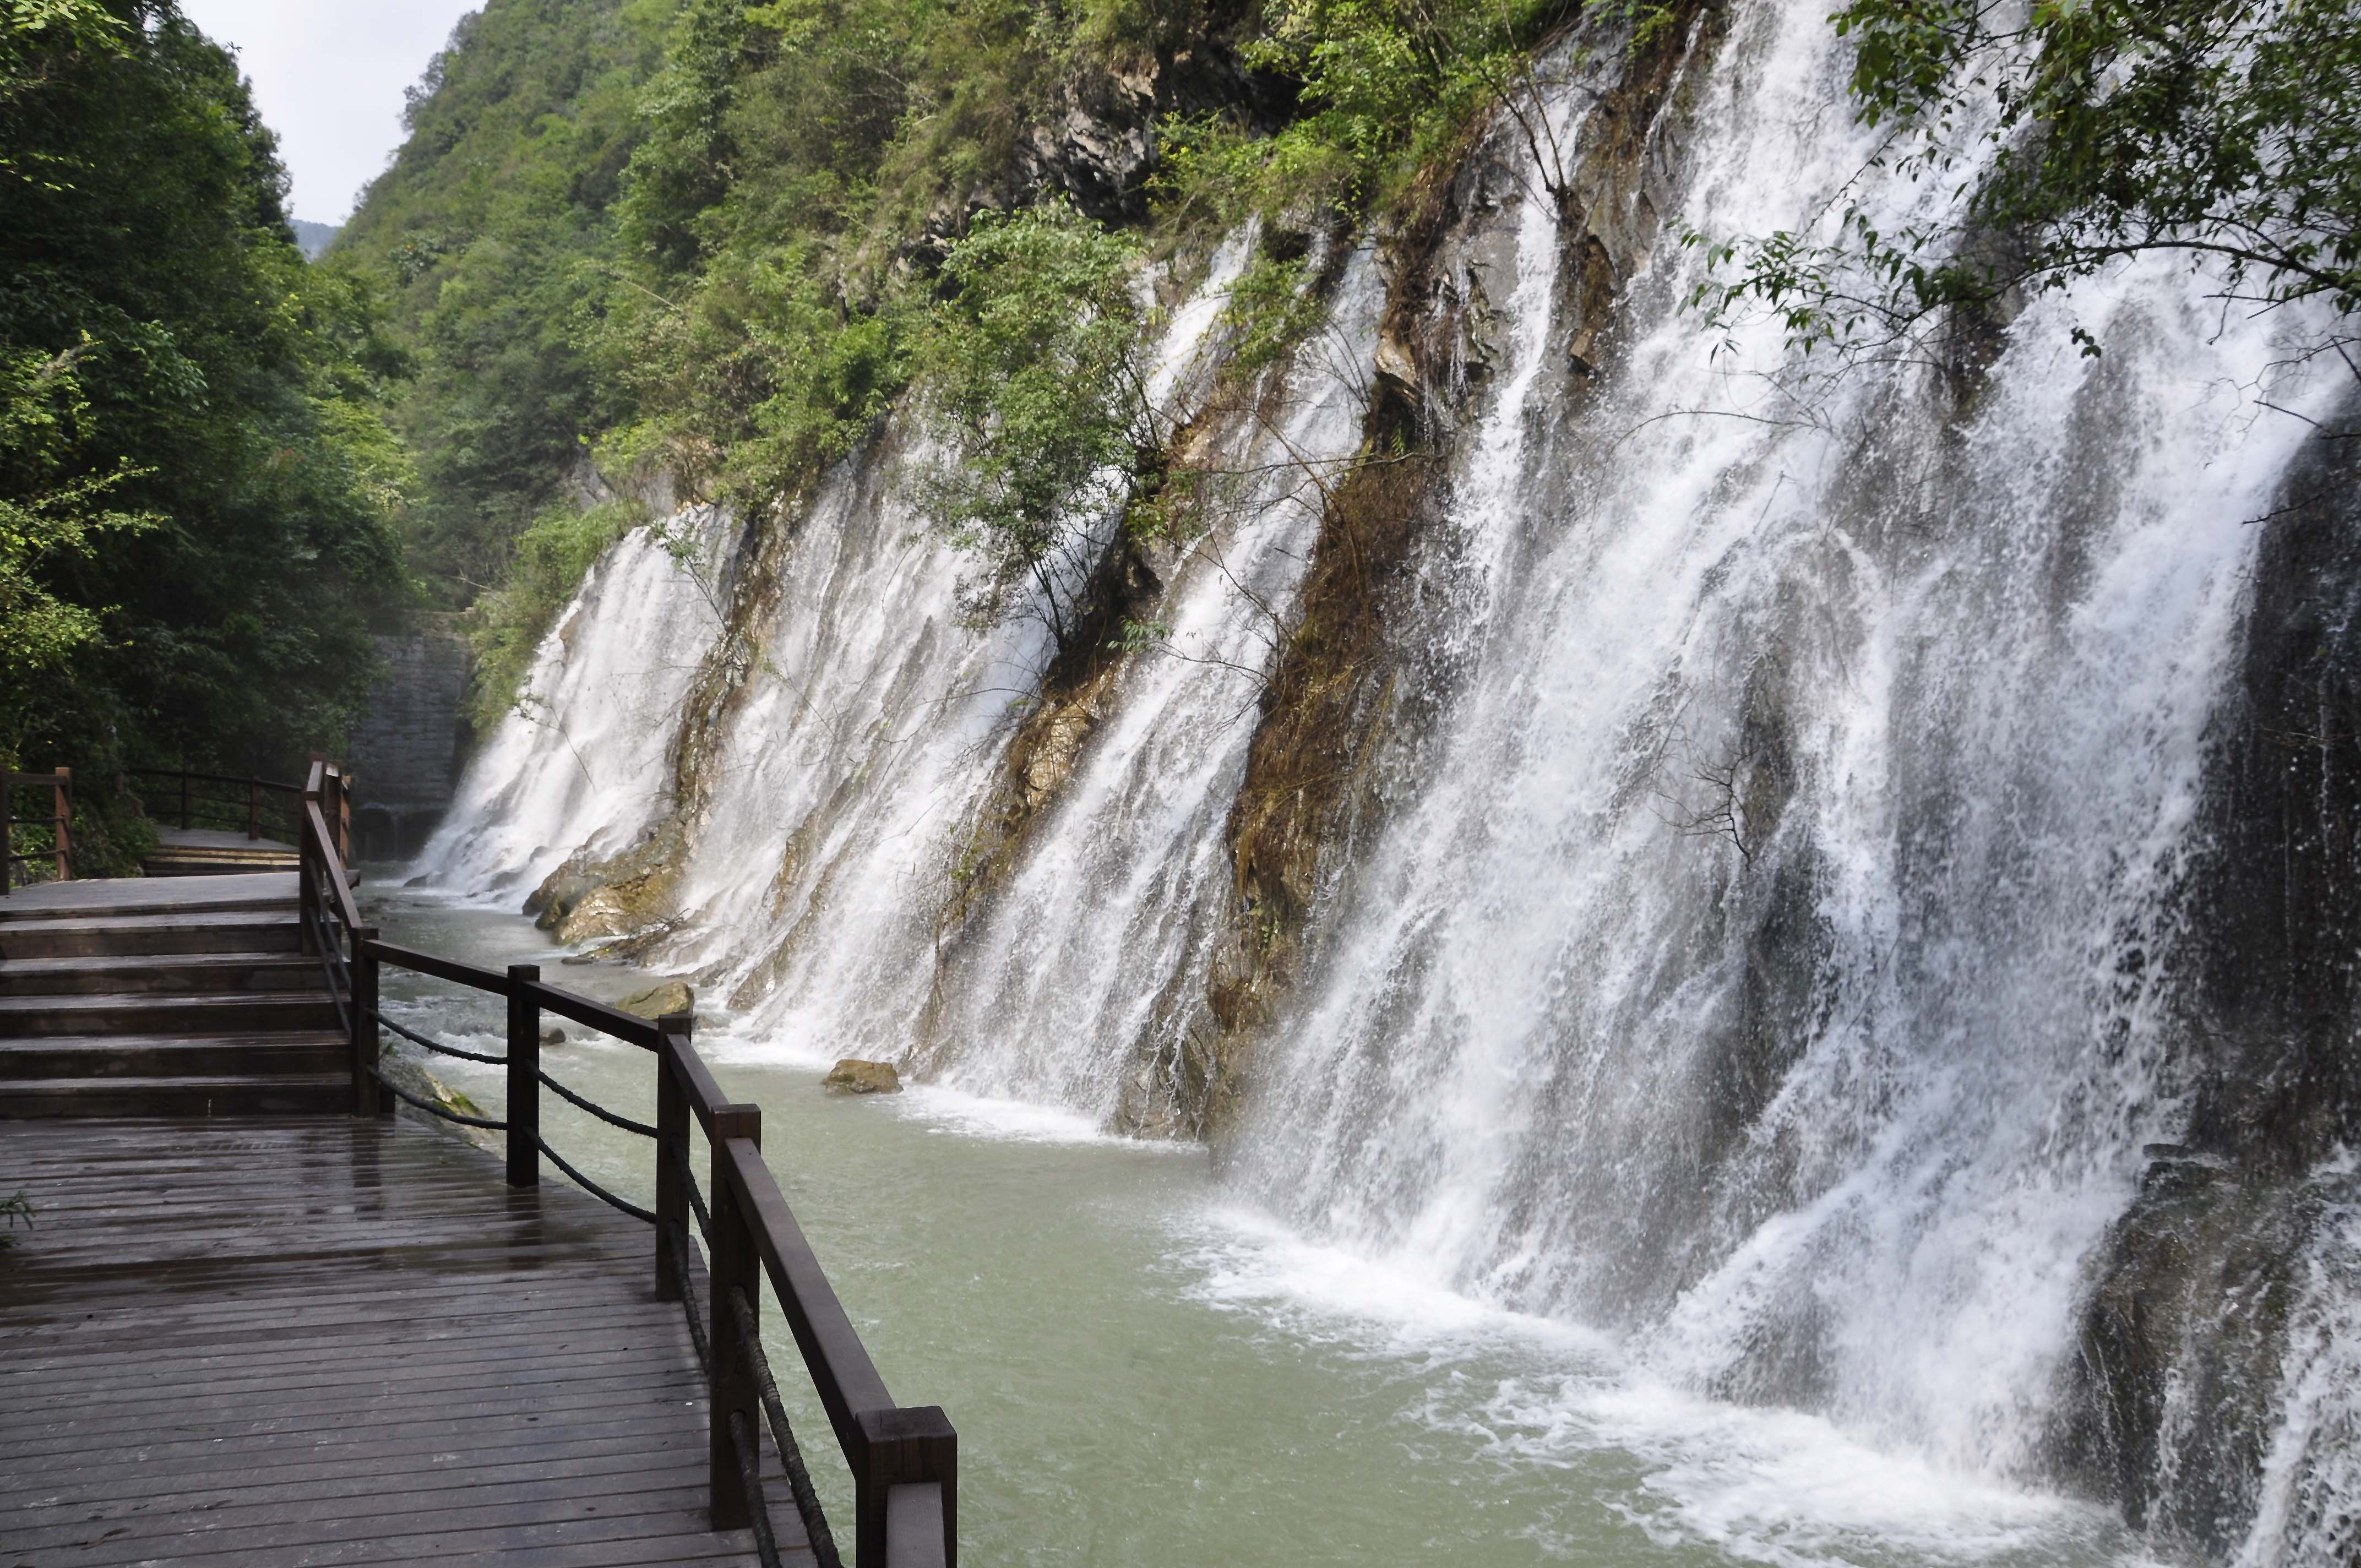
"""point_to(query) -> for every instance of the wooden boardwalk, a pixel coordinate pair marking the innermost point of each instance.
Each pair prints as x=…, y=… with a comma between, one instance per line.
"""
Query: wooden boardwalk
x=264, y=1321
x=301, y=1339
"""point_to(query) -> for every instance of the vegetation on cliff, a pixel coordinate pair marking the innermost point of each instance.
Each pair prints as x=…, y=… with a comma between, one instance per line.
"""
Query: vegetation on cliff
x=715, y=240
x=196, y=479
x=2084, y=133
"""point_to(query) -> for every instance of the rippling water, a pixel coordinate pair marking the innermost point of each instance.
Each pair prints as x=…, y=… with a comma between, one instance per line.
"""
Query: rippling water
x=1143, y=1372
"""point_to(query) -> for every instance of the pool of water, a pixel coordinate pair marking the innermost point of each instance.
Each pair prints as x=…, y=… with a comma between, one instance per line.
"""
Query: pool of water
x=1143, y=1371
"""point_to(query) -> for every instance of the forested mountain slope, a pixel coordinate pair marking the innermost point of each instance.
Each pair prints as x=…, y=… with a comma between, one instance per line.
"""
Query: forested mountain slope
x=197, y=487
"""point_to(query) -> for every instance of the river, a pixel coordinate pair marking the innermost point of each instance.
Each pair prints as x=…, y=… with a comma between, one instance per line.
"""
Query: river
x=1144, y=1370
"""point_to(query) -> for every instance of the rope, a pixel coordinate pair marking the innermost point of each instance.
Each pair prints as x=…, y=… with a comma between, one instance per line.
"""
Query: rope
x=695, y=1198
x=415, y=1038
x=599, y=1110
x=791, y=1454
x=678, y=1242
x=433, y=1110
x=592, y=1188
x=750, y=1477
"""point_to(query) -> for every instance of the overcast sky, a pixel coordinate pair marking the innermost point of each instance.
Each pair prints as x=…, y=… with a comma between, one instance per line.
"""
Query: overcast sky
x=328, y=76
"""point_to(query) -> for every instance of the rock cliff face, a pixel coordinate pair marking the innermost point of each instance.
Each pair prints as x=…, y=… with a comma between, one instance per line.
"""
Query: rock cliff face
x=2211, y=1284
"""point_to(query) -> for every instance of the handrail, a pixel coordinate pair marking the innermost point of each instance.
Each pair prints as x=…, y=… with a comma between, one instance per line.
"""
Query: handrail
x=59, y=782
x=347, y=910
x=904, y=1460
x=295, y=789
x=253, y=790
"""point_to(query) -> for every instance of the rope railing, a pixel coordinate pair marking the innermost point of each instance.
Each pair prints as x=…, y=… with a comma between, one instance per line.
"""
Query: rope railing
x=625, y=1123
x=690, y=1189
x=592, y=1188
x=676, y=1243
x=428, y=1043
x=749, y=1452
x=432, y=1109
x=783, y=1436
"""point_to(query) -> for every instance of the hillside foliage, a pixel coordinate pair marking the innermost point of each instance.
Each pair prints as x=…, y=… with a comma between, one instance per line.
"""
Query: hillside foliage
x=2082, y=134
x=197, y=481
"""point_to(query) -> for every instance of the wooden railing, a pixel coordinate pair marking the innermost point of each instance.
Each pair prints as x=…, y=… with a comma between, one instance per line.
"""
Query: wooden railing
x=258, y=807
x=58, y=786
x=904, y=1460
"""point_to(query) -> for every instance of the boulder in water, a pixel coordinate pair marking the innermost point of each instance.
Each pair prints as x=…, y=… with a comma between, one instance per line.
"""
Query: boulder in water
x=672, y=996
x=853, y=1075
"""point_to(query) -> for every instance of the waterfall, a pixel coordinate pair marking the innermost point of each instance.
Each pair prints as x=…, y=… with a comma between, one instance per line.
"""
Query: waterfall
x=1771, y=957
x=869, y=733
x=581, y=759
x=1773, y=965
x=1075, y=965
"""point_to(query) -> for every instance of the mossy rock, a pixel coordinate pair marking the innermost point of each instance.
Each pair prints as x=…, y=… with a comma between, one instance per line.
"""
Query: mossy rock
x=656, y=1001
x=853, y=1075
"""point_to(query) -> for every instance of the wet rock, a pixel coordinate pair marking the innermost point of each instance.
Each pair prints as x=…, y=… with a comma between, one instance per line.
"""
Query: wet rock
x=1051, y=761
x=552, y=1036
x=672, y=996
x=404, y=1073
x=604, y=914
x=853, y=1075
x=588, y=899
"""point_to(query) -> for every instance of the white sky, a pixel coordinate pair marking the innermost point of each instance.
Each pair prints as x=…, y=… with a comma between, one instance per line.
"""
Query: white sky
x=328, y=76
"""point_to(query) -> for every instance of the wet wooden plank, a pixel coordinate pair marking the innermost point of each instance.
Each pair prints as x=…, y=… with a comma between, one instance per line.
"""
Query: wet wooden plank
x=334, y=1341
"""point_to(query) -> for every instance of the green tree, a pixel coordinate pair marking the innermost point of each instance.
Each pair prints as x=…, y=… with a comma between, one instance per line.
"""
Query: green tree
x=2085, y=132
x=196, y=480
x=1036, y=381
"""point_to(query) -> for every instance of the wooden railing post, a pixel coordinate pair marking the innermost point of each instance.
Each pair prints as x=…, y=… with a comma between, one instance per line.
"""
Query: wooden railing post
x=307, y=869
x=344, y=823
x=907, y=1480
x=367, y=1039
x=731, y=1265
x=524, y=1077
x=673, y=1033
x=63, y=841
x=253, y=808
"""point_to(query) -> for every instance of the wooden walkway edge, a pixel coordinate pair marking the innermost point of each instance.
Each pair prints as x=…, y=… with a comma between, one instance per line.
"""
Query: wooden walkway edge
x=325, y=1340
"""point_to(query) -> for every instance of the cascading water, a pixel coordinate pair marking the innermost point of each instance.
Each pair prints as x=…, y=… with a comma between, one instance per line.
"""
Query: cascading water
x=583, y=759
x=1073, y=966
x=1773, y=962
x=1770, y=958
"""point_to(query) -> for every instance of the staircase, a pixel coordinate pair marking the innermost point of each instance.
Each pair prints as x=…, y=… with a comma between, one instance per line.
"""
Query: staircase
x=204, y=852
x=166, y=997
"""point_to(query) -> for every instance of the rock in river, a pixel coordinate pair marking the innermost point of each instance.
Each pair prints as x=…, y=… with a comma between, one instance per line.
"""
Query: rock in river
x=672, y=996
x=853, y=1075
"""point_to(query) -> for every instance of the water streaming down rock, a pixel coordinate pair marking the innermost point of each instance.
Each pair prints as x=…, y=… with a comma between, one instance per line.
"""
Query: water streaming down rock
x=1775, y=958
x=1087, y=968
x=584, y=760
x=844, y=791
x=1774, y=944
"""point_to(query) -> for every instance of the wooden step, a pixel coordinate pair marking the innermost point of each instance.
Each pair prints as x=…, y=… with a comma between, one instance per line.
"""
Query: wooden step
x=139, y=974
x=112, y=897
x=312, y=1094
x=163, y=1013
x=204, y=931
x=175, y=867
x=308, y=1052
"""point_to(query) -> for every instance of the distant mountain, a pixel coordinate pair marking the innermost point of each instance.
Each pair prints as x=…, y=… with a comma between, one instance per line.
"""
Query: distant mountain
x=315, y=237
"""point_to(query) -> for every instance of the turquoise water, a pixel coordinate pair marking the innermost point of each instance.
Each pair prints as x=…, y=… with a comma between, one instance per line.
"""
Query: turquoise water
x=1143, y=1372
